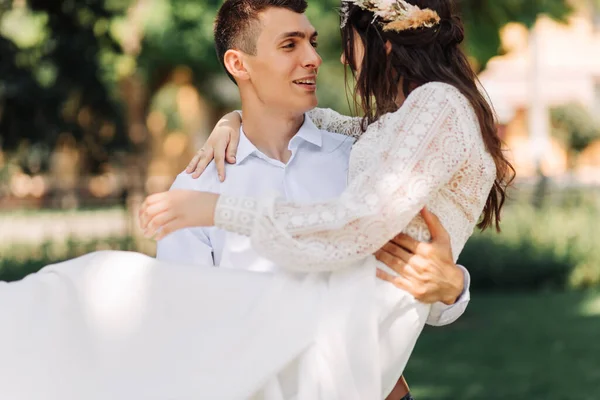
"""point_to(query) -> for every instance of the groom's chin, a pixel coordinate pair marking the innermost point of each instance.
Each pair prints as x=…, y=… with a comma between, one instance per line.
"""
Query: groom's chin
x=311, y=104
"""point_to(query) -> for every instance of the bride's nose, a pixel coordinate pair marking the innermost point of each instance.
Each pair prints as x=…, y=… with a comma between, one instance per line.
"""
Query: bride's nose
x=343, y=59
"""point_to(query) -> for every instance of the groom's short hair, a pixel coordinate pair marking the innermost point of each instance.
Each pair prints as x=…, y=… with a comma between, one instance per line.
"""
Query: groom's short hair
x=237, y=24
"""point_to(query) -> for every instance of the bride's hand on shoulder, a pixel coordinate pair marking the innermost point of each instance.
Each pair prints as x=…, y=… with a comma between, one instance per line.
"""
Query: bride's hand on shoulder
x=167, y=212
x=221, y=146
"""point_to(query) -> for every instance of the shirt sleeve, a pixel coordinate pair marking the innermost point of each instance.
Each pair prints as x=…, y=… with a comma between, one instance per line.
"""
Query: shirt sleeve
x=422, y=146
x=442, y=314
x=332, y=121
x=187, y=246
x=190, y=245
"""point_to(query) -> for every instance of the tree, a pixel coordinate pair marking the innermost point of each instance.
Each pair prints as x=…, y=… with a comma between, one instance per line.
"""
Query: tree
x=71, y=77
x=576, y=127
x=485, y=19
x=56, y=85
x=180, y=33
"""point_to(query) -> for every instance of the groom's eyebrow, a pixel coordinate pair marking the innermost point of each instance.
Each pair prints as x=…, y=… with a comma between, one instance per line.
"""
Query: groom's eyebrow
x=298, y=35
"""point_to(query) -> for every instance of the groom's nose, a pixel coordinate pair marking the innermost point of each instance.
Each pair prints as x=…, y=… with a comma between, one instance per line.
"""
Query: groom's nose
x=312, y=59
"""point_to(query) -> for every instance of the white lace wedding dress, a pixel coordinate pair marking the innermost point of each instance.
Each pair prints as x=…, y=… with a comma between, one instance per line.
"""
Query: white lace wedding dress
x=114, y=325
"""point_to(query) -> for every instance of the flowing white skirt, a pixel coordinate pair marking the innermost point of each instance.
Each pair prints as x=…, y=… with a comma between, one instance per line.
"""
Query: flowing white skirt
x=123, y=326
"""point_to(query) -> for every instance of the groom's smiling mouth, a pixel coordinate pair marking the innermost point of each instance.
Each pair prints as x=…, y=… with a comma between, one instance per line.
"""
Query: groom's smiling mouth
x=309, y=82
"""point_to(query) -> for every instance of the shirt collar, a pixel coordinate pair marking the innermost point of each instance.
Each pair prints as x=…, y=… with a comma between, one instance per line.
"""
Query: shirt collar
x=308, y=133
x=245, y=147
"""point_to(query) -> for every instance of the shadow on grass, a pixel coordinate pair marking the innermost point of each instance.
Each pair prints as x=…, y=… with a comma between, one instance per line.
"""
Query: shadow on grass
x=525, y=346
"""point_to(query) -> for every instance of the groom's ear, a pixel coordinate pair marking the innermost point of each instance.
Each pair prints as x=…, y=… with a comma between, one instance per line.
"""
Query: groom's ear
x=235, y=65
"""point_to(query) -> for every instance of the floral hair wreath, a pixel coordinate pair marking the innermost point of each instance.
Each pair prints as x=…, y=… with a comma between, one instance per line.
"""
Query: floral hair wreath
x=393, y=15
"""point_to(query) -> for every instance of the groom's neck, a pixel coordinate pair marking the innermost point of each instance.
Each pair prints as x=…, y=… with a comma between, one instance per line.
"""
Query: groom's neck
x=271, y=130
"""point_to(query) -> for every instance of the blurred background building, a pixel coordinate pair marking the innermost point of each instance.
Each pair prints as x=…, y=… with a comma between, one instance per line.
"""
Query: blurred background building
x=554, y=67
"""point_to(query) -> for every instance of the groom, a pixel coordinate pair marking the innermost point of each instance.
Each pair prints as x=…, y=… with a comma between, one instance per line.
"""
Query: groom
x=268, y=48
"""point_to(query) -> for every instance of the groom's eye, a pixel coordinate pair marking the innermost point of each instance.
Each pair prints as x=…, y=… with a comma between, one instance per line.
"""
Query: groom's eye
x=289, y=45
x=315, y=44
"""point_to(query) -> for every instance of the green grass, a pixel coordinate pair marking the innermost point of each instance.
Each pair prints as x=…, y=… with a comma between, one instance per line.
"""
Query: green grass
x=522, y=346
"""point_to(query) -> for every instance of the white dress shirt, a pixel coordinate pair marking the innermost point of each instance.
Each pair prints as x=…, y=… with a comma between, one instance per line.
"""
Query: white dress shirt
x=316, y=171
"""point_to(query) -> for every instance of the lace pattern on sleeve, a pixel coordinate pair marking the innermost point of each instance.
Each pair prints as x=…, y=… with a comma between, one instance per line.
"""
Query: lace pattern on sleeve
x=411, y=155
x=332, y=121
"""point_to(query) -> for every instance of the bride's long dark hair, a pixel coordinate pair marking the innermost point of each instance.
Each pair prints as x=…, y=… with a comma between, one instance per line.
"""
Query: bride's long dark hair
x=417, y=57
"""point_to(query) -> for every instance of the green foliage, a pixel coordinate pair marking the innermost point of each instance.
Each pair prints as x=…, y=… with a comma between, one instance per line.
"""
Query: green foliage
x=519, y=263
x=550, y=248
x=176, y=38
x=52, y=80
x=179, y=33
x=61, y=61
x=554, y=247
x=575, y=126
x=22, y=260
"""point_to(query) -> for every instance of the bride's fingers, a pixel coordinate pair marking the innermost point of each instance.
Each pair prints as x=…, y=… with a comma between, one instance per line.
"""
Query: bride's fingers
x=205, y=157
x=191, y=167
x=399, y=281
x=232, y=148
x=219, y=155
x=156, y=198
x=158, y=223
x=169, y=228
x=143, y=220
x=154, y=204
x=148, y=213
x=384, y=276
x=143, y=215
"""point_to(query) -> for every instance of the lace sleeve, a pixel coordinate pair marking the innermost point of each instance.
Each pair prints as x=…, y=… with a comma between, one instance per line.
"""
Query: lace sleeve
x=426, y=145
x=332, y=121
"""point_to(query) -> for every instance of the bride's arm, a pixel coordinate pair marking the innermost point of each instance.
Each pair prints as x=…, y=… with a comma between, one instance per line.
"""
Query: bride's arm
x=221, y=145
x=425, y=149
x=332, y=121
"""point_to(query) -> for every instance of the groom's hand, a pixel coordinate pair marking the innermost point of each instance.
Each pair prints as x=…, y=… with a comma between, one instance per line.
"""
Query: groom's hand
x=426, y=270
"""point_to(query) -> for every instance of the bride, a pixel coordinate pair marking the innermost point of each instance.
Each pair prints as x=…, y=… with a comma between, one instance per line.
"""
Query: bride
x=114, y=325
x=430, y=139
